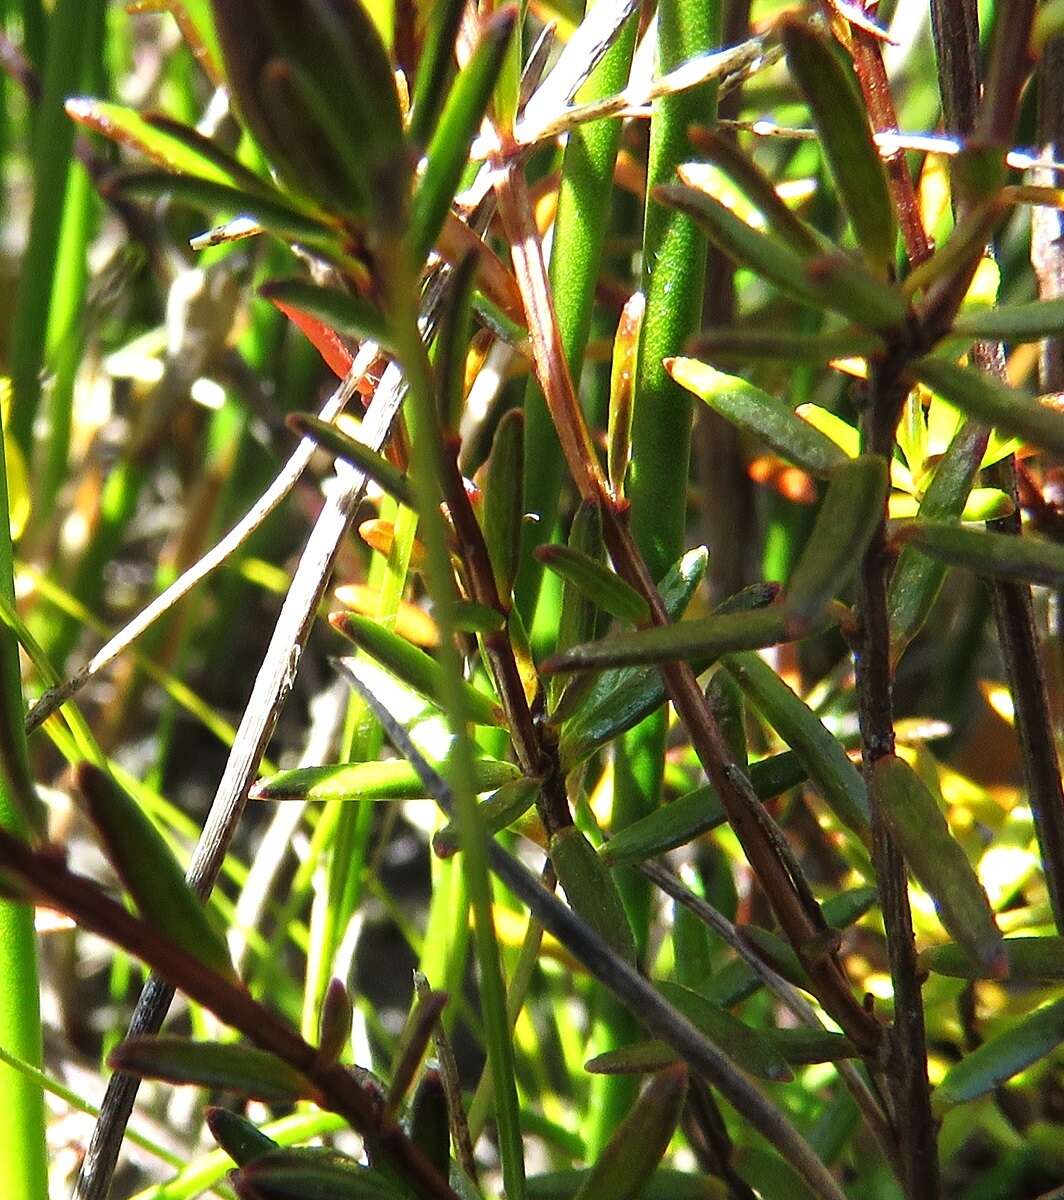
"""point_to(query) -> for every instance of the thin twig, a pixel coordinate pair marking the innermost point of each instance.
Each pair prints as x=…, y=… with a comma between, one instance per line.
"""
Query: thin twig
x=45, y=876
x=1013, y=607
x=614, y=973
x=272, y=687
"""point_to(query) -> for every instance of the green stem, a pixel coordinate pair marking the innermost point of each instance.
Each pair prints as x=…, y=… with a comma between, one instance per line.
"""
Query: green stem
x=72, y=29
x=576, y=253
x=674, y=263
x=23, y=1158
x=426, y=473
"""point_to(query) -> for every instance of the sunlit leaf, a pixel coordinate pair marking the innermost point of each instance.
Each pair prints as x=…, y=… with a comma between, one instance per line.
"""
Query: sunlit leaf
x=596, y=581
x=760, y=414
x=1001, y=1057
x=845, y=139
x=149, y=870
x=390, y=779
x=937, y=860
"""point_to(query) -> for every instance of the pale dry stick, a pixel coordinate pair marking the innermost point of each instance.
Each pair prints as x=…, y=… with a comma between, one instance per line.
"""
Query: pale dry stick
x=285, y=481
x=272, y=686
x=614, y=973
x=788, y=995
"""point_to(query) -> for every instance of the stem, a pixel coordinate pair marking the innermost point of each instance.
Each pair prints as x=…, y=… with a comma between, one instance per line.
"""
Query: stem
x=429, y=462
x=579, y=231
x=1013, y=608
x=912, y=1098
x=23, y=1158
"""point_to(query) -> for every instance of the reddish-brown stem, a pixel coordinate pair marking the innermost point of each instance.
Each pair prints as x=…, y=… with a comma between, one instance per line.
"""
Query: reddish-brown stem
x=534, y=756
x=800, y=926
x=47, y=876
x=875, y=87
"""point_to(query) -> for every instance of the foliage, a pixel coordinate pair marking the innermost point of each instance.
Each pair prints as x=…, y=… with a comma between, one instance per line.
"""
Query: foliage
x=778, y=824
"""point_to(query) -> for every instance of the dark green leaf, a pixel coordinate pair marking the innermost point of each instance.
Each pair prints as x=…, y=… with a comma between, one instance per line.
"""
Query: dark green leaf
x=758, y=413
x=1013, y=322
x=917, y=578
x=430, y=1128
x=824, y=759
x=372, y=464
x=997, y=555
x=736, y=346
x=639, y=1142
x=237, y=1136
x=253, y=1073
x=1038, y=959
x=845, y=140
x=850, y=513
x=802, y=1045
x=434, y=68
x=707, y=638
x=595, y=581
x=747, y=1047
x=501, y=810
x=149, y=870
x=448, y=150
x=314, y=1174
x=678, y=822
x=936, y=859
x=664, y=1184
x=590, y=889
x=1001, y=1057
x=414, y=667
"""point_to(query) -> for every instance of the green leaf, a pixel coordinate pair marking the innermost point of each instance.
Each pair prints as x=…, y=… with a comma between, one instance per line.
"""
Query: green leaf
x=434, y=68
x=314, y=1174
x=639, y=1142
x=845, y=140
x=639, y=1058
x=413, y=1042
x=953, y=264
x=501, y=810
x=243, y=1069
x=745, y=1046
x=736, y=346
x=758, y=413
x=1007, y=409
x=725, y=153
x=341, y=311
x=237, y=1136
x=835, y=282
x=1035, y=959
x=420, y=672
x=995, y=555
x=430, y=1128
x=825, y=760
x=205, y=195
x=503, y=494
x=579, y=617
x=704, y=639
x=1001, y=1057
x=591, y=890
x=850, y=513
x=802, y=1046
x=937, y=860
x=448, y=150
x=392, y=779
x=917, y=578
x=603, y=587
x=372, y=464
x=1013, y=322
x=160, y=141
x=149, y=871
x=679, y=821
x=335, y=1022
